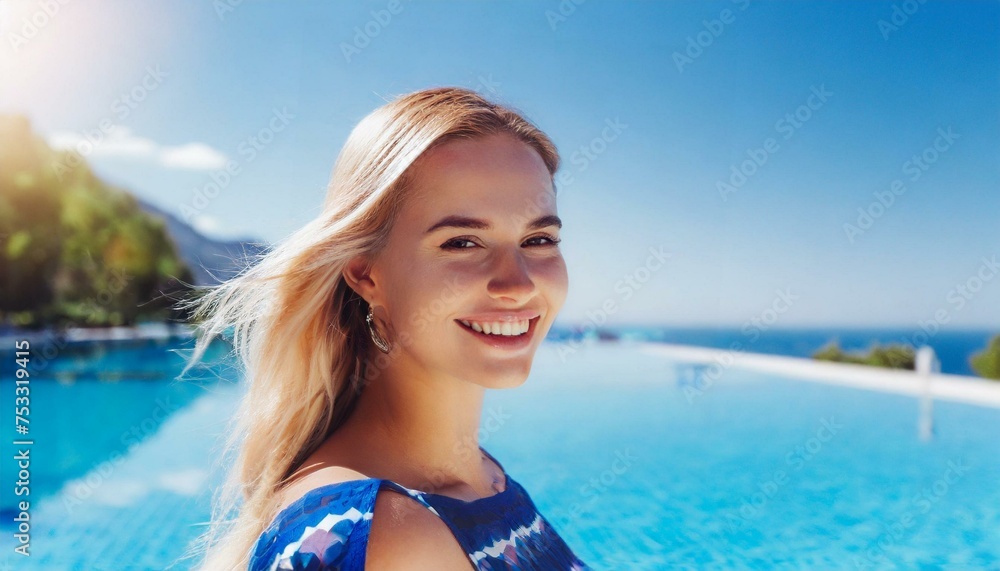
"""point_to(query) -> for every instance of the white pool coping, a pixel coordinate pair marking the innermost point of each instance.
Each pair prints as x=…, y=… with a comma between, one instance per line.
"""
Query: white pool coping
x=957, y=388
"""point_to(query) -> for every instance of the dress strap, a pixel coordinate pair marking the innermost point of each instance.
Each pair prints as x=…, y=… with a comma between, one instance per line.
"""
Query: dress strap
x=495, y=461
x=415, y=494
x=419, y=495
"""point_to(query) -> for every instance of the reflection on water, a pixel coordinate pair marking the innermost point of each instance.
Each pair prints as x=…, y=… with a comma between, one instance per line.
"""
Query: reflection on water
x=95, y=402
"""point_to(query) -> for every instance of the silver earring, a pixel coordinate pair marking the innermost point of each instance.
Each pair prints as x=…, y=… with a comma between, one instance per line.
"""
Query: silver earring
x=382, y=345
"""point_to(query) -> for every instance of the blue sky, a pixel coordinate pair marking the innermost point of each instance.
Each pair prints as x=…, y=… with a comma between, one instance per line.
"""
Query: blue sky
x=771, y=247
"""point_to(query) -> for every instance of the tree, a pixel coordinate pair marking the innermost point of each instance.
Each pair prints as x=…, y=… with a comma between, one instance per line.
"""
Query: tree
x=892, y=356
x=74, y=250
x=986, y=363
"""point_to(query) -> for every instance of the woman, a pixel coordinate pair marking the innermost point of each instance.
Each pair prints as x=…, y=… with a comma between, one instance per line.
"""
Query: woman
x=369, y=338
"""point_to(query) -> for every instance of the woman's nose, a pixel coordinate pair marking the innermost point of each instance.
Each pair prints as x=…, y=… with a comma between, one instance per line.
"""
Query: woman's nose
x=511, y=275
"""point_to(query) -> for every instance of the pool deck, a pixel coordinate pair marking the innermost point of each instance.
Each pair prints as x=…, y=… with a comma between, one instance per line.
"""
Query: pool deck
x=957, y=388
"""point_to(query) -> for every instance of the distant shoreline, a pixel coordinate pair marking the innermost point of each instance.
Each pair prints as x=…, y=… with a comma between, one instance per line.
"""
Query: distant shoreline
x=953, y=347
x=141, y=332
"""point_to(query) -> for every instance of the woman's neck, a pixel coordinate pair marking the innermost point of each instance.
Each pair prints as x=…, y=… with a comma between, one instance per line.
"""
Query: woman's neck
x=423, y=429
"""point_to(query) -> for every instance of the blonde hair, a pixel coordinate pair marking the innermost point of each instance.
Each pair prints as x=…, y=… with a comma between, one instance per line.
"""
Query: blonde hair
x=299, y=329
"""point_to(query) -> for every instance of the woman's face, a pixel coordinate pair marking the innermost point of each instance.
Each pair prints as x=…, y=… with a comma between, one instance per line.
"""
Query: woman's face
x=474, y=242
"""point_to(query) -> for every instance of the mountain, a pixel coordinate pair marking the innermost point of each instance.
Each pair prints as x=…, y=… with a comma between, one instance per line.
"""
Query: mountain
x=210, y=261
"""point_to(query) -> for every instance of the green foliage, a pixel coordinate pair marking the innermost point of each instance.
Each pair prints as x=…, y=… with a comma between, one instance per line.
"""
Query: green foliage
x=892, y=356
x=74, y=250
x=986, y=363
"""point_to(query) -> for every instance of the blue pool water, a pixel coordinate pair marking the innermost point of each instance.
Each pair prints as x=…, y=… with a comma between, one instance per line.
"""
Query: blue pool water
x=743, y=475
x=96, y=401
x=635, y=470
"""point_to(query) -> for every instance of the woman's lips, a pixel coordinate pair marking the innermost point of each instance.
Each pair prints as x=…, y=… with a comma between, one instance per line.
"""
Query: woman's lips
x=508, y=342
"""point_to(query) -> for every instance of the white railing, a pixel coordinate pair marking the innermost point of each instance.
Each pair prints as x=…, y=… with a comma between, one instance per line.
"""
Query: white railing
x=936, y=385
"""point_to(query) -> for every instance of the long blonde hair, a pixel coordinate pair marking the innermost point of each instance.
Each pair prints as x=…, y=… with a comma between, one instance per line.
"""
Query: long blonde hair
x=299, y=329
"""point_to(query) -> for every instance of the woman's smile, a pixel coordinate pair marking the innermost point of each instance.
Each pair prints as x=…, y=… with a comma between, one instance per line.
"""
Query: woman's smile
x=511, y=335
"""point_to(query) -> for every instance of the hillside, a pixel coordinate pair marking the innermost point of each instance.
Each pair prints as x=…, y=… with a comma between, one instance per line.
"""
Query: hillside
x=210, y=261
x=77, y=251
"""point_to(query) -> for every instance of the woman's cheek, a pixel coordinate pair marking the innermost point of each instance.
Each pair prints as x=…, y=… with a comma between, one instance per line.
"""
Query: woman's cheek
x=429, y=301
x=553, y=271
x=557, y=281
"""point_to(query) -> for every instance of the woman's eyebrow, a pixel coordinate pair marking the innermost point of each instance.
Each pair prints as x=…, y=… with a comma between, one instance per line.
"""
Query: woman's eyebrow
x=455, y=221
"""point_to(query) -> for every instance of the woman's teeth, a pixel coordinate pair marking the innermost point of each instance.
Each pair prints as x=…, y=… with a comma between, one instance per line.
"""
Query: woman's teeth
x=511, y=328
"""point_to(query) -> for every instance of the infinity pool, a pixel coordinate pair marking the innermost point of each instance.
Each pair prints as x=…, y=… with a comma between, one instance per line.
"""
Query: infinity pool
x=634, y=469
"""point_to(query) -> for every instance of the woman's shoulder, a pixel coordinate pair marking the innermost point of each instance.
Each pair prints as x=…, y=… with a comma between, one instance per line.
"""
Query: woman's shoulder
x=327, y=523
x=317, y=515
x=411, y=535
x=320, y=480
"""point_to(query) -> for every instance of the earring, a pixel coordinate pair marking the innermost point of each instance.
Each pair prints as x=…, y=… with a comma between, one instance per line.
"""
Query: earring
x=382, y=345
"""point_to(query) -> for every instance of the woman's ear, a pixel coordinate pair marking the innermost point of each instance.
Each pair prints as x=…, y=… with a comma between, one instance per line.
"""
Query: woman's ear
x=357, y=274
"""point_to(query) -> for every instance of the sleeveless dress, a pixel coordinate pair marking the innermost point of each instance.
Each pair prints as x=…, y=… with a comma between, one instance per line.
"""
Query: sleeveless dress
x=327, y=530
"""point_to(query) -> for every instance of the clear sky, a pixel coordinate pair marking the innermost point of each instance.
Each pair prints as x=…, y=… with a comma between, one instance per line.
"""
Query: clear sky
x=653, y=105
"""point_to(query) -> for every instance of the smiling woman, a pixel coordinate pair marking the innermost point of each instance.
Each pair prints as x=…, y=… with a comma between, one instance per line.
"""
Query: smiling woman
x=369, y=338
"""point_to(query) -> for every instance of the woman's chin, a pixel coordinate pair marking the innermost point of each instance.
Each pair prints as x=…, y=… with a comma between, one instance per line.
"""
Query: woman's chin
x=501, y=380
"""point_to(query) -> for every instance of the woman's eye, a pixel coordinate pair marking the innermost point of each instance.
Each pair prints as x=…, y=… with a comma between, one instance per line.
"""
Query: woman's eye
x=551, y=241
x=455, y=243
x=449, y=245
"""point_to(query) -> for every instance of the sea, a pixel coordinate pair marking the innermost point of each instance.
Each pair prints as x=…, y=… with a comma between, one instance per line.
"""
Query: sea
x=953, y=348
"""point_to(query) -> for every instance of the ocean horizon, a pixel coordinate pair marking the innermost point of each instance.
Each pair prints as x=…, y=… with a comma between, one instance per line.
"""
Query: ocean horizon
x=953, y=347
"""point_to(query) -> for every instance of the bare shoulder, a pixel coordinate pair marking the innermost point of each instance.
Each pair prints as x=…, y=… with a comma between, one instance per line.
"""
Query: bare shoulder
x=406, y=535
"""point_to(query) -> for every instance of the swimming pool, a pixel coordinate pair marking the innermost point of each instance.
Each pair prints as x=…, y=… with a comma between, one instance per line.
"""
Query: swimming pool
x=93, y=402
x=635, y=470
x=753, y=472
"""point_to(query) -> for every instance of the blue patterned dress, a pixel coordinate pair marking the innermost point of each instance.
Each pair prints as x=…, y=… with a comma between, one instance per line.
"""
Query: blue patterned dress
x=327, y=530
